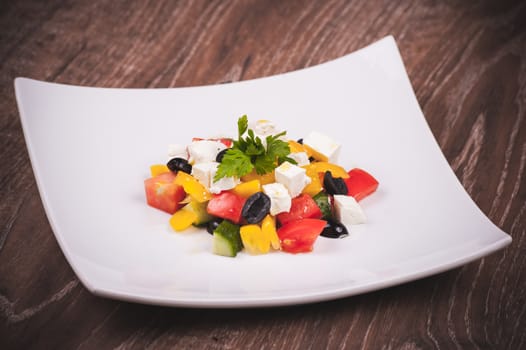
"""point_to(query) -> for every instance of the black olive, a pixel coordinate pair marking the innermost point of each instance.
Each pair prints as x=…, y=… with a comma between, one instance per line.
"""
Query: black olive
x=334, y=229
x=176, y=164
x=221, y=154
x=300, y=141
x=212, y=225
x=333, y=185
x=256, y=208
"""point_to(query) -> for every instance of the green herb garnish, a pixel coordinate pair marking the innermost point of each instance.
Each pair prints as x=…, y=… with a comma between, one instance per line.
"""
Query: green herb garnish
x=249, y=153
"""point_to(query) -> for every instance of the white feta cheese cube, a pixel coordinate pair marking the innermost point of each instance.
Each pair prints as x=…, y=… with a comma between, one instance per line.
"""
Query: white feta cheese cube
x=205, y=172
x=204, y=151
x=348, y=211
x=177, y=151
x=300, y=157
x=280, y=200
x=223, y=184
x=293, y=177
x=327, y=148
x=265, y=128
x=202, y=171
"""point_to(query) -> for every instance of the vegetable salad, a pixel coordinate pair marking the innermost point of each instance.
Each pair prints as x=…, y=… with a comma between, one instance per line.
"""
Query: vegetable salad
x=261, y=191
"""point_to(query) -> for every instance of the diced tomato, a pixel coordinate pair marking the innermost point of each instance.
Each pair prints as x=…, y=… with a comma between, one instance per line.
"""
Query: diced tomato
x=299, y=236
x=224, y=140
x=360, y=183
x=162, y=193
x=226, y=205
x=302, y=207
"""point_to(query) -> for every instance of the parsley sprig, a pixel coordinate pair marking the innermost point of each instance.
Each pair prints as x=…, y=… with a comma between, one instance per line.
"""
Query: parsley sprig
x=249, y=153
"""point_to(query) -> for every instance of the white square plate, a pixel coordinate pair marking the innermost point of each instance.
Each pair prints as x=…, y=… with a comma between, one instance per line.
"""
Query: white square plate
x=91, y=149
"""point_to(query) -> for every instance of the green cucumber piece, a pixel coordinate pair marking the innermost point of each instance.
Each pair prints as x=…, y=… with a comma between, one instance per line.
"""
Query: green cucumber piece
x=200, y=210
x=227, y=240
x=322, y=200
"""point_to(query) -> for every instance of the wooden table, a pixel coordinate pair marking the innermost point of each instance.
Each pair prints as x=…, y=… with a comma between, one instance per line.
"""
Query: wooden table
x=467, y=63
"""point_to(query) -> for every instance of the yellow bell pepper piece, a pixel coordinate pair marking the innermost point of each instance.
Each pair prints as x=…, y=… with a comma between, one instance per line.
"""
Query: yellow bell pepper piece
x=193, y=187
x=263, y=179
x=268, y=228
x=246, y=189
x=315, y=185
x=296, y=147
x=315, y=154
x=182, y=219
x=321, y=167
x=158, y=169
x=254, y=241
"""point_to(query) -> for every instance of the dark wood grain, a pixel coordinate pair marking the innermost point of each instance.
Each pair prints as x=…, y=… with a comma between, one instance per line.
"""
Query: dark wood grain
x=467, y=63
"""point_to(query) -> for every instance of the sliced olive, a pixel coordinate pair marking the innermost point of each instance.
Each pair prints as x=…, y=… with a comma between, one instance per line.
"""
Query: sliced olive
x=212, y=225
x=179, y=164
x=221, y=154
x=334, y=229
x=256, y=207
x=300, y=141
x=334, y=185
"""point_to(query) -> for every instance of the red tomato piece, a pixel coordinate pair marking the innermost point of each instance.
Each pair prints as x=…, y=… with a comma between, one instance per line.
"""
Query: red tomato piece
x=225, y=141
x=360, y=183
x=299, y=236
x=302, y=207
x=163, y=194
x=226, y=205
